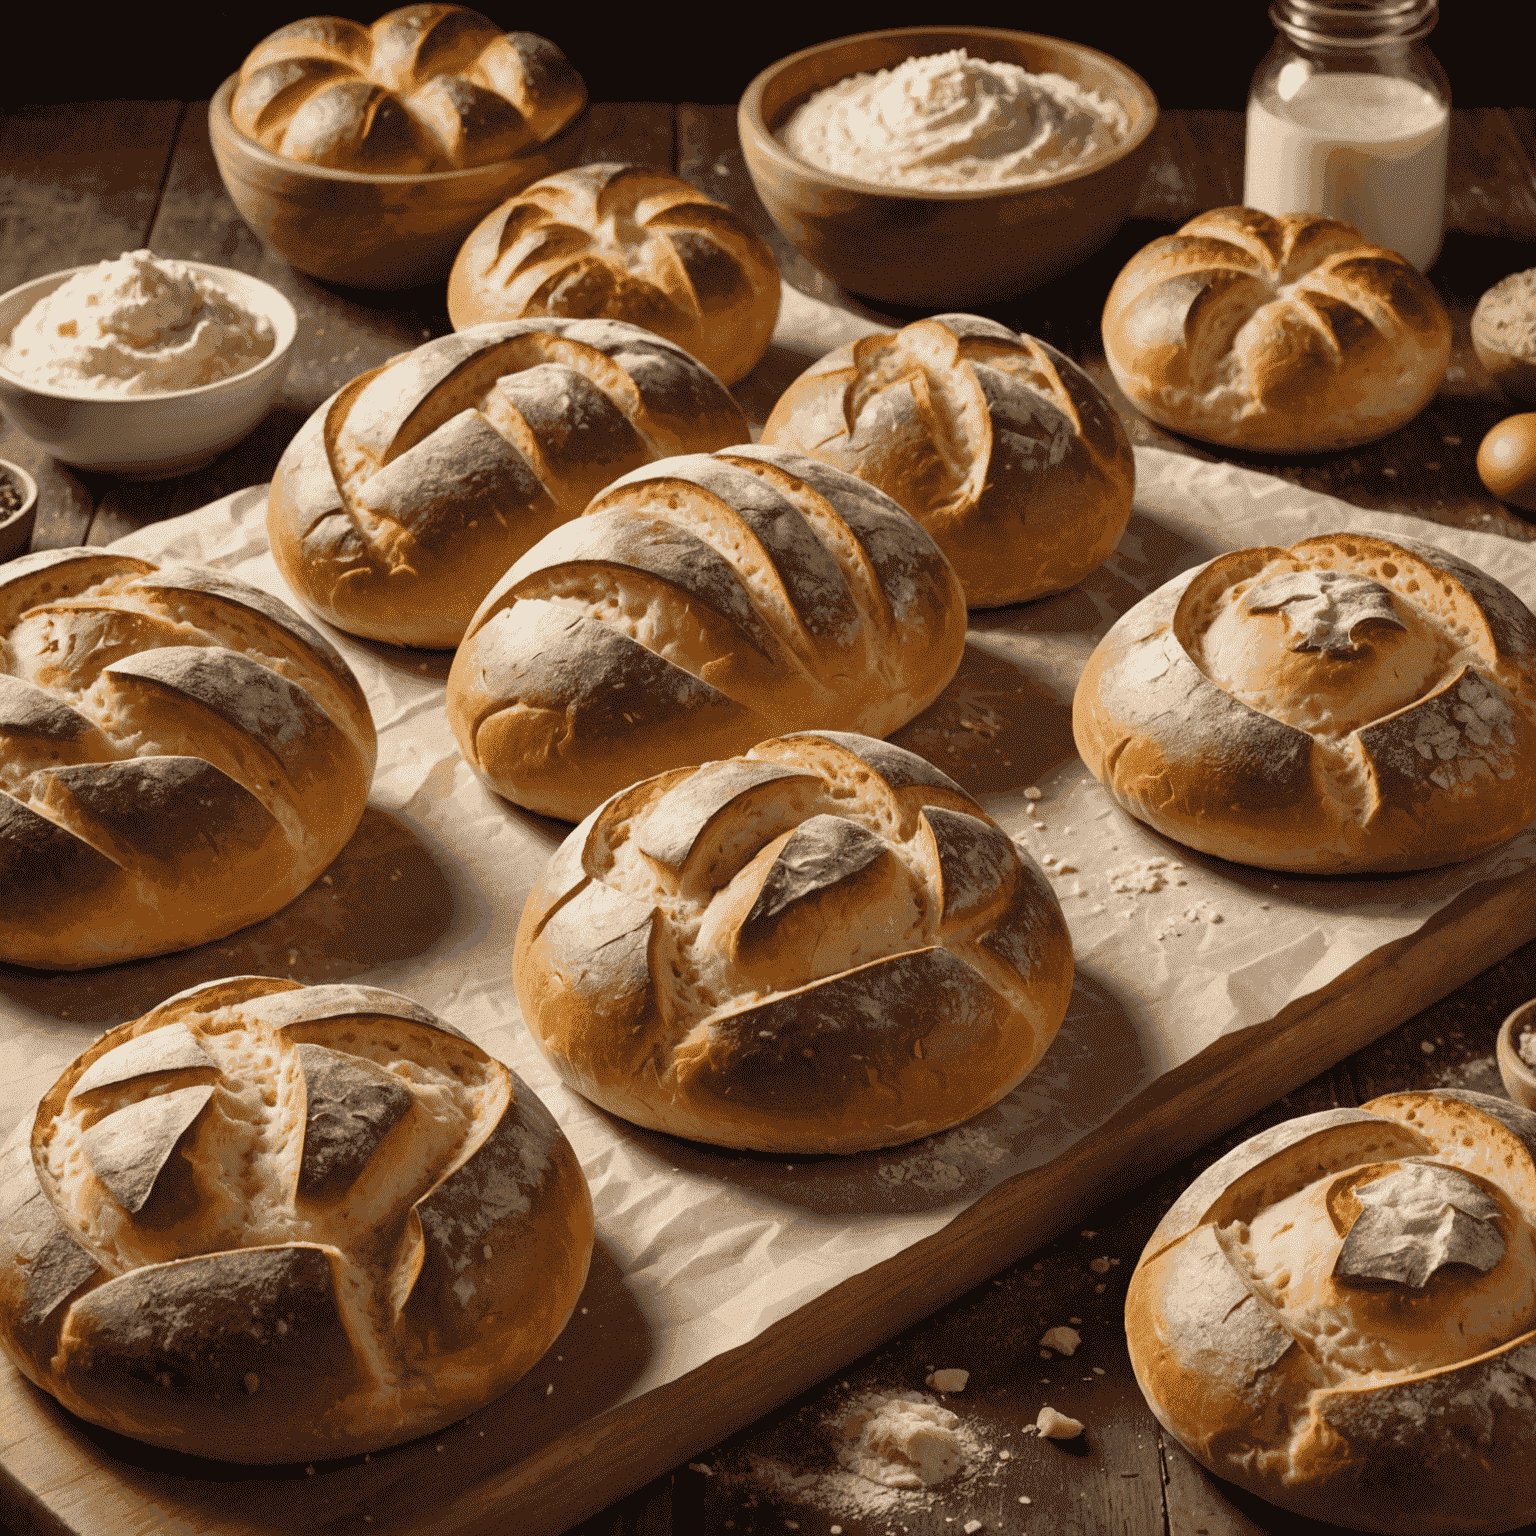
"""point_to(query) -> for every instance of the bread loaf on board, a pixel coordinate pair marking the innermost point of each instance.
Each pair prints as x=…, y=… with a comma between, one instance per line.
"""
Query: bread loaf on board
x=1003, y=449
x=700, y=605
x=625, y=242
x=426, y=88
x=180, y=755
x=822, y=946
x=1351, y=703
x=404, y=498
x=1340, y=1315
x=267, y=1223
x=1289, y=335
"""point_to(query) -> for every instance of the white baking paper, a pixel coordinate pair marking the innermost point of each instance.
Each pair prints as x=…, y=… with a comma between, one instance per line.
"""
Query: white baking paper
x=700, y=1249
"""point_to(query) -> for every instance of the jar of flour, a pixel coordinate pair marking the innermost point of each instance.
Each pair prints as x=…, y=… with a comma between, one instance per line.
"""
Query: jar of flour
x=1349, y=116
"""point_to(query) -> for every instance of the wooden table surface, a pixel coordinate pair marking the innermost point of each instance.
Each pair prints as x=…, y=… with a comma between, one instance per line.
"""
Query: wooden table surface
x=85, y=181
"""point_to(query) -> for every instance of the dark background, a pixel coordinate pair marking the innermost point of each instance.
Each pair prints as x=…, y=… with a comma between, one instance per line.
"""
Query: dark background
x=1199, y=53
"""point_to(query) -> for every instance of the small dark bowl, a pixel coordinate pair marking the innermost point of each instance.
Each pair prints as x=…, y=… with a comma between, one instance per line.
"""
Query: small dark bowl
x=16, y=526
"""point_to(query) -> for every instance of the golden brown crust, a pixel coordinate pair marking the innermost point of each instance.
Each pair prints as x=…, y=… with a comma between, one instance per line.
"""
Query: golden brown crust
x=624, y=242
x=1002, y=448
x=700, y=605
x=1289, y=335
x=426, y=88
x=1349, y=704
x=408, y=1231
x=180, y=755
x=1338, y=1316
x=823, y=946
x=405, y=497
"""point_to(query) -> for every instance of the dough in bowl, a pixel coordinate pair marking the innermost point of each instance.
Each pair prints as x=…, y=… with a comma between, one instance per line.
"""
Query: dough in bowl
x=1340, y=1315
x=180, y=755
x=698, y=606
x=405, y=497
x=1348, y=704
x=1001, y=447
x=272, y=1223
x=630, y=243
x=824, y=945
x=1289, y=335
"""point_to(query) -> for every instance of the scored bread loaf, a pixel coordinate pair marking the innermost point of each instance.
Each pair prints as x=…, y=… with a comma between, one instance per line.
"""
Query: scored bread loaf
x=822, y=946
x=180, y=755
x=1288, y=335
x=1340, y=1315
x=426, y=88
x=268, y=1222
x=1351, y=703
x=700, y=605
x=1003, y=449
x=629, y=243
x=403, y=499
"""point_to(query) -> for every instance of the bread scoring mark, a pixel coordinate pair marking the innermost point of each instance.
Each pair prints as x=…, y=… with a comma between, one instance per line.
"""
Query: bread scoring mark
x=1324, y=608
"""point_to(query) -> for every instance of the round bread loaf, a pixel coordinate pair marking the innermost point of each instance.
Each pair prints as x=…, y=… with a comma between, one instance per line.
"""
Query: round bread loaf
x=404, y=498
x=1350, y=703
x=180, y=755
x=700, y=605
x=426, y=88
x=822, y=946
x=1340, y=1315
x=1289, y=335
x=624, y=242
x=1003, y=449
x=268, y=1222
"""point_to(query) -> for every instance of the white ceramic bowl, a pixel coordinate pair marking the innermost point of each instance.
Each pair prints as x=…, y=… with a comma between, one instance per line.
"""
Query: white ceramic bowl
x=1519, y=1079
x=148, y=437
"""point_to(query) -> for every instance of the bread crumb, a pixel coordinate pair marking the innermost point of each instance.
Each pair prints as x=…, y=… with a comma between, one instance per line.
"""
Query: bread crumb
x=950, y=1379
x=972, y=1526
x=252, y=1381
x=1099, y=1266
x=1033, y=794
x=1063, y=1340
x=1057, y=1426
x=698, y=1466
x=1427, y=1046
x=549, y=1391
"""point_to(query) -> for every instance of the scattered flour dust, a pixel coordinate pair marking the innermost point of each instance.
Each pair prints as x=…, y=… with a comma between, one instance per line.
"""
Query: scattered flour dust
x=1143, y=876
x=876, y=1454
x=946, y=1162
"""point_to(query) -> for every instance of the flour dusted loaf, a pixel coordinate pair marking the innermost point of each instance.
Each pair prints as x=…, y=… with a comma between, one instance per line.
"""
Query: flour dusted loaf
x=1350, y=703
x=824, y=945
x=180, y=754
x=268, y=1222
x=426, y=88
x=405, y=497
x=700, y=605
x=1288, y=335
x=1003, y=449
x=1340, y=1315
x=630, y=243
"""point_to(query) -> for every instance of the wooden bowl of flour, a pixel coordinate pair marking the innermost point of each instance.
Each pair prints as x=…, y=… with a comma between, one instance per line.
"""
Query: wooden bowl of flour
x=942, y=249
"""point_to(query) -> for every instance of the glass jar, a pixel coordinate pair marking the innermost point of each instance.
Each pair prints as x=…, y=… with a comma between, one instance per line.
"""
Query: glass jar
x=1349, y=116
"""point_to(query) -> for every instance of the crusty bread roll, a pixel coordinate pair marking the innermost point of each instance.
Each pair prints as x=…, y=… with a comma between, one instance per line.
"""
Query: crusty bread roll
x=267, y=1222
x=700, y=605
x=426, y=88
x=1347, y=704
x=180, y=754
x=630, y=243
x=404, y=498
x=1340, y=1315
x=823, y=946
x=1003, y=449
x=1289, y=335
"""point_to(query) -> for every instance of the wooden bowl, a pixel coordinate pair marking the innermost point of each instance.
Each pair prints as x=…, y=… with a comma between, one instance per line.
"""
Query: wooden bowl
x=931, y=249
x=1519, y=1078
x=370, y=231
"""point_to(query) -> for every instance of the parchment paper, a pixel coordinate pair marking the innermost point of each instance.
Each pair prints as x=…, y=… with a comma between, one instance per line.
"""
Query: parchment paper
x=700, y=1249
